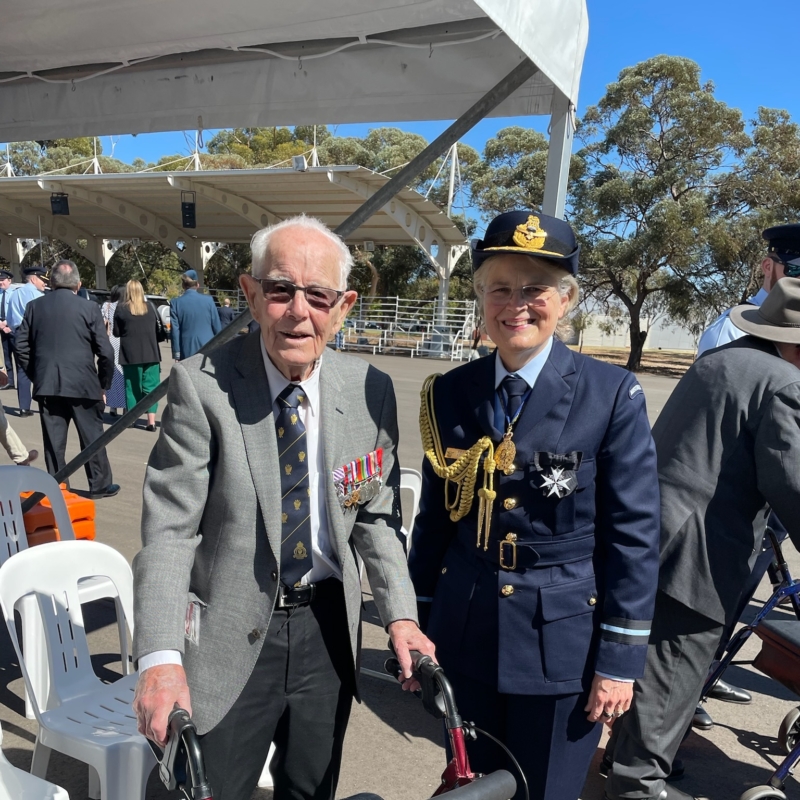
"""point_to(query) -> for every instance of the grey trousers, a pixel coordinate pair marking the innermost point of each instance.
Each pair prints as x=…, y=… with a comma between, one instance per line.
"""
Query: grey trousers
x=645, y=740
x=9, y=440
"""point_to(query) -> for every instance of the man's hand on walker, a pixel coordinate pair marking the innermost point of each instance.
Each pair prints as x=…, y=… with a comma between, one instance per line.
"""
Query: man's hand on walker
x=608, y=699
x=407, y=636
x=158, y=691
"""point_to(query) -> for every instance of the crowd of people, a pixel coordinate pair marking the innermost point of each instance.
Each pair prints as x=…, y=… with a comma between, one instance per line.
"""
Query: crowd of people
x=569, y=566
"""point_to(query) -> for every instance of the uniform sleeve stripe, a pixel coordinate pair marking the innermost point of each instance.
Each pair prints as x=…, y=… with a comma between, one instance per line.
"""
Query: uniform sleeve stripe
x=624, y=631
x=424, y=599
x=623, y=638
x=629, y=624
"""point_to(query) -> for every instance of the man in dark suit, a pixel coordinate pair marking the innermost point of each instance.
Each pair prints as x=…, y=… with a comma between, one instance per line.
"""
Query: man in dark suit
x=56, y=344
x=193, y=318
x=226, y=313
x=728, y=449
x=6, y=278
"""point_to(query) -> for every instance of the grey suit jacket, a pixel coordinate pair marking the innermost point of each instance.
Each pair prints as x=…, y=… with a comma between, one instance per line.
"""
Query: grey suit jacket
x=728, y=444
x=211, y=522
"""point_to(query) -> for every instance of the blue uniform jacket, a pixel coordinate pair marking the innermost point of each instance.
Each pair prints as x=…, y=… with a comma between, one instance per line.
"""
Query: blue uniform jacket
x=193, y=322
x=581, y=598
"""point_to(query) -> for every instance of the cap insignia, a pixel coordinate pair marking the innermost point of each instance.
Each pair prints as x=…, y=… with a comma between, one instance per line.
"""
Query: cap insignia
x=530, y=235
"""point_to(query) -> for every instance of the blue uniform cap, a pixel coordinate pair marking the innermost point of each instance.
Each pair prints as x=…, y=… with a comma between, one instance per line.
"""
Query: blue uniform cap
x=35, y=270
x=784, y=244
x=190, y=273
x=529, y=233
x=4, y=273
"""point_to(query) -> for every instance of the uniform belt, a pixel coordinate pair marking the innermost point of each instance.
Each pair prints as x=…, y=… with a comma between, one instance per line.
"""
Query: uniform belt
x=303, y=595
x=515, y=555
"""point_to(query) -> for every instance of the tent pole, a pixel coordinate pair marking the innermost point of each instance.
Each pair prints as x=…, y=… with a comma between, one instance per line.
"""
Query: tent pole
x=507, y=86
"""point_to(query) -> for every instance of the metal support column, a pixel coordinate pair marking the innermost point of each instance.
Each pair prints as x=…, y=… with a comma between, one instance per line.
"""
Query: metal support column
x=558, y=156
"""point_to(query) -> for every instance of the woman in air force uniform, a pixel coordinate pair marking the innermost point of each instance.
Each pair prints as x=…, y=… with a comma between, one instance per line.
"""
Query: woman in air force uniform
x=535, y=552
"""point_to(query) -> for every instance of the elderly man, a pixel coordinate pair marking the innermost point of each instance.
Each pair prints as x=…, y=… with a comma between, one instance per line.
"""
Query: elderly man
x=226, y=313
x=6, y=280
x=728, y=447
x=15, y=309
x=193, y=318
x=56, y=344
x=274, y=478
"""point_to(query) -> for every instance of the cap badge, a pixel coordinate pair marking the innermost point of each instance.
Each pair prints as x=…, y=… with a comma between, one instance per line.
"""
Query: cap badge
x=530, y=235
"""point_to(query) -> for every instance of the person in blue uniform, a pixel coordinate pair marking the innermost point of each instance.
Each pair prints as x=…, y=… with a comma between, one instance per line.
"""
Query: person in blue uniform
x=535, y=552
x=194, y=319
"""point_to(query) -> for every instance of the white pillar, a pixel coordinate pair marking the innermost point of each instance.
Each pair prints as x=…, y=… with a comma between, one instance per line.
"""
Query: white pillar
x=558, y=156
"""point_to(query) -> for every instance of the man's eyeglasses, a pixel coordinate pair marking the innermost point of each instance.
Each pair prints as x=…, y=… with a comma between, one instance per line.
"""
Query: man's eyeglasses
x=791, y=269
x=279, y=291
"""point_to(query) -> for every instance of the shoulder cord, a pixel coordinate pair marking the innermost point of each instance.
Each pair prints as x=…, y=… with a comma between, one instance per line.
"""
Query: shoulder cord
x=463, y=472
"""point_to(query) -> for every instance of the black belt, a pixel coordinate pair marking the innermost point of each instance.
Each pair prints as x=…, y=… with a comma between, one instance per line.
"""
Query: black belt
x=304, y=594
x=511, y=554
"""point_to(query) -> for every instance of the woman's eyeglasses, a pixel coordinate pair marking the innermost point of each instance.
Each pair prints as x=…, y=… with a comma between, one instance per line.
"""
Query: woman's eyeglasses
x=278, y=291
x=531, y=295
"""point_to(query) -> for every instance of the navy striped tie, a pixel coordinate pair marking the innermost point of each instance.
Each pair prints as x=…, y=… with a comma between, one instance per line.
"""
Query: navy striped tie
x=295, y=487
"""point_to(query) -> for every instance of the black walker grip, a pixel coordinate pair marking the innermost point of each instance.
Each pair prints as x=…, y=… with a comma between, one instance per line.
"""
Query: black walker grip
x=499, y=785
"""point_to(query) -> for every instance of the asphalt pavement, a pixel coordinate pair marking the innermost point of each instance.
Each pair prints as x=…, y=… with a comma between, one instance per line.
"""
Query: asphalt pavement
x=393, y=748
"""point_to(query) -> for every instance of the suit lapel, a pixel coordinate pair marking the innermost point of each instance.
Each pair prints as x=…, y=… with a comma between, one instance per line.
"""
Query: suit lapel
x=333, y=404
x=253, y=403
x=550, y=388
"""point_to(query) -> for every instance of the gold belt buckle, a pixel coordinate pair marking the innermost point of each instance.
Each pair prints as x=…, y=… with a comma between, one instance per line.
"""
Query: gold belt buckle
x=511, y=539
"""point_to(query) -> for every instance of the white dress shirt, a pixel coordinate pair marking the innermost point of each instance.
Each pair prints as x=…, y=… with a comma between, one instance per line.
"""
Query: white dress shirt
x=324, y=563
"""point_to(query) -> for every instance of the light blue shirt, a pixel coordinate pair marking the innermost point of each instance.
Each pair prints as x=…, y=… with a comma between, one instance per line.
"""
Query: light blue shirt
x=7, y=292
x=722, y=330
x=529, y=373
x=15, y=307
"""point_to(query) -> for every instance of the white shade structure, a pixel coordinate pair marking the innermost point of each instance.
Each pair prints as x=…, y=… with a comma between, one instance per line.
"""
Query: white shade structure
x=129, y=66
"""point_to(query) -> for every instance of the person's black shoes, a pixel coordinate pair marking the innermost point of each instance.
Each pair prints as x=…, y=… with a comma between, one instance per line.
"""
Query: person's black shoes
x=151, y=428
x=110, y=491
x=730, y=694
x=678, y=770
x=702, y=719
x=25, y=412
x=668, y=793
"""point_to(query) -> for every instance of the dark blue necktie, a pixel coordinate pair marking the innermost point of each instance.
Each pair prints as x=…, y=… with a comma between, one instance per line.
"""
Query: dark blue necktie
x=295, y=488
x=3, y=306
x=514, y=389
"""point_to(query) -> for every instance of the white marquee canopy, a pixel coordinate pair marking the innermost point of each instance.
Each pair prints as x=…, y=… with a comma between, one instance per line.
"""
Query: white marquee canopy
x=129, y=66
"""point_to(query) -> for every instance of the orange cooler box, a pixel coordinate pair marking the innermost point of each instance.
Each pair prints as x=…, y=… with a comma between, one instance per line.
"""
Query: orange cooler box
x=40, y=522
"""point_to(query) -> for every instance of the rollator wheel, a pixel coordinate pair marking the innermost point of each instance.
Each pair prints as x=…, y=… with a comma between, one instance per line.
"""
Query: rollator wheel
x=789, y=734
x=763, y=793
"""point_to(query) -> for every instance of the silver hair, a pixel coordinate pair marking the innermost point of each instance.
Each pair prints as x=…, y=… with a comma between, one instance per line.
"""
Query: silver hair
x=567, y=287
x=259, y=244
x=65, y=275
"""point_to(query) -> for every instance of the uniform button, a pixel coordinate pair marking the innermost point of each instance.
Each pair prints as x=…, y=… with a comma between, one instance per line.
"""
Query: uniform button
x=255, y=633
x=274, y=575
x=444, y=570
x=509, y=503
x=592, y=601
x=507, y=590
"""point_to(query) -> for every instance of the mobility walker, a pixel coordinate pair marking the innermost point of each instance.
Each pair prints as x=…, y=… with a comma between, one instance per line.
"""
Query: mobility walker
x=181, y=764
x=780, y=660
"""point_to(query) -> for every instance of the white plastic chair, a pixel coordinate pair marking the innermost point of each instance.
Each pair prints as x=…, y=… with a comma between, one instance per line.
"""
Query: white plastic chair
x=14, y=481
x=89, y=720
x=16, y=784
x=411, y=481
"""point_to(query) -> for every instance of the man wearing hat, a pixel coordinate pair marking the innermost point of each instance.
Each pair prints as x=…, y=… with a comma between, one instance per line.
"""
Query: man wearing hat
x=194, y=318
x=33, y=289
x=728, y=448
x=782, y=259
x=535, y=551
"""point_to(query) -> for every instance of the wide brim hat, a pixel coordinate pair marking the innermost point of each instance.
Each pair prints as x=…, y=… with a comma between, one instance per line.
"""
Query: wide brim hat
x=777, y=319
x=529, y=233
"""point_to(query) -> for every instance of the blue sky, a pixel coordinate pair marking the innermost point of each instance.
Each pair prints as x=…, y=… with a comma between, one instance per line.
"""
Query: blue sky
x=737, y=44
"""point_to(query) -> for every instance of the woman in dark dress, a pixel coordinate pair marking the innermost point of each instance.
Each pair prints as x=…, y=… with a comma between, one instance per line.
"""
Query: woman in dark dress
x=137, y=325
